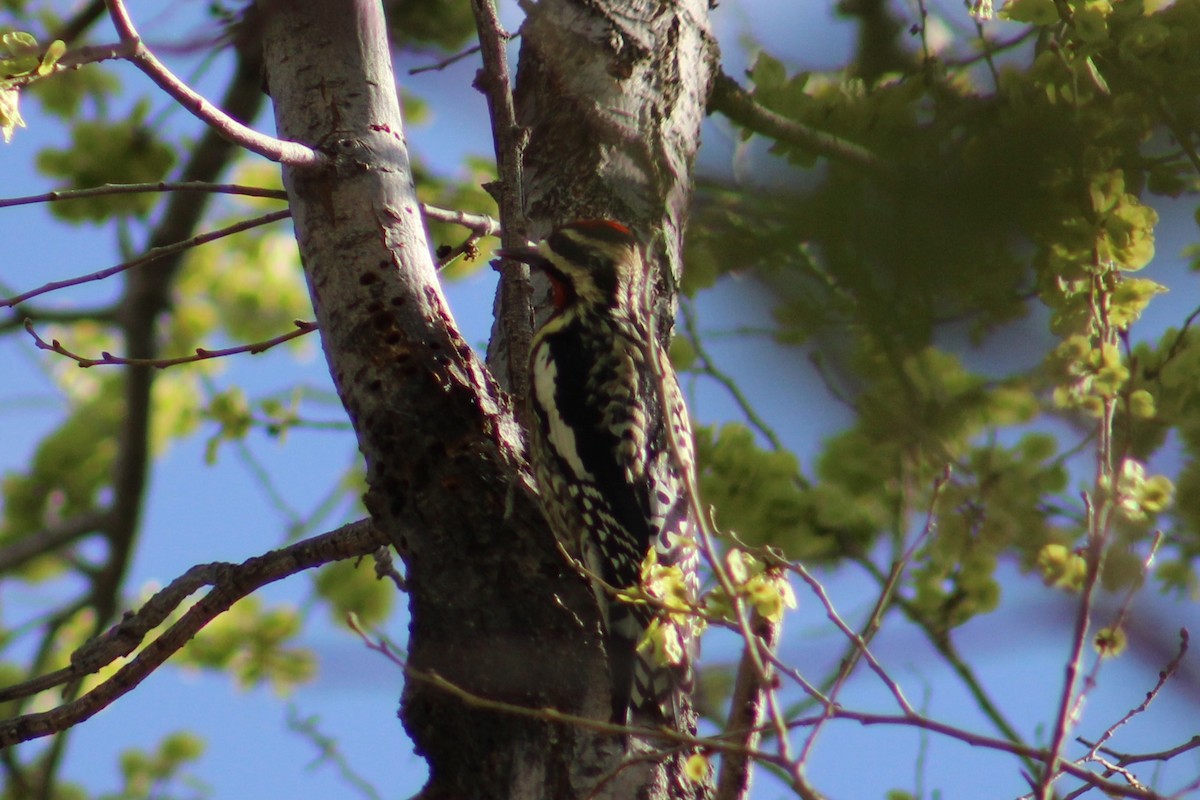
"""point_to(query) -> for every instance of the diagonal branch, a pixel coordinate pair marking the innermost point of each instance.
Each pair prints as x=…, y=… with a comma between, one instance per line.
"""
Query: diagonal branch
x=1165, y=675
x=291, y=153
x=748, y=710
x=40, y=543
x=153, y=254
x=229, y=583
x=736, y=103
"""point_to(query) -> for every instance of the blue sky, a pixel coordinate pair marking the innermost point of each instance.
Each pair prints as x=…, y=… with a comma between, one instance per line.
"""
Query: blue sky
x=196, y=513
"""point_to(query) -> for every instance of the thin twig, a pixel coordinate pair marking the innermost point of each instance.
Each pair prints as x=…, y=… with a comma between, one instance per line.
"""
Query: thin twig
x=201, y=354
x=656, y=359
x=293, y=154
x=512, y=331
x=547, y=714
x=736, y=103
x=709, y=368
x=1162, y=755
x=854, y=637
x=448, y=61
x=75, y=58
x=468, y=247
x=31, y=545
x=1182, y=135
x=1165, y=675
x=988, y=48
x=1092, y=678
x=1177, y=345
x=991, y=743
x=329, y=751
x=21, y=314
x=138, y=188
x=150, y=255
x=480, y=224
x=946, y=649
x=1099, y=519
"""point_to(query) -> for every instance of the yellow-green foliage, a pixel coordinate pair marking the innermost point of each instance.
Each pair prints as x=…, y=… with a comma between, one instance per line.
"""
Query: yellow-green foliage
x=147, y=773
x=253, y=644
x=352, y=587
x=1037, y=174
x=124, y=151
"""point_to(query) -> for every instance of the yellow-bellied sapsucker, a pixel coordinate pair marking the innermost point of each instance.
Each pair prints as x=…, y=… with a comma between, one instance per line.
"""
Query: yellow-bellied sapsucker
x=610, y=483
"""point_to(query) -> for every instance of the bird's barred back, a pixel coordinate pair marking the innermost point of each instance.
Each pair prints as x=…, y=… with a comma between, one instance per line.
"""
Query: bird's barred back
x=610, y=483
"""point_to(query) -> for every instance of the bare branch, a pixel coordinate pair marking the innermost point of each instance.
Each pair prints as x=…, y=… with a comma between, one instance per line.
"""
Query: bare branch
x=512, y=331
x=329, y=751
x=291, y=153
x=747, y=710
x=32, y=545
x=229, y=583
x=150, y=255
x=1163, y=676
x=479, y=224
x=754, y=652
x=545, y=714
x=445, y=62
x=1163, y=755
x=1099, y=519
x=1177, y=345
x=858, y=640
x=736, y=103
x=138, y=188
x=22, y=314
x=201, y=354
x=989, y=742
x=708, y=367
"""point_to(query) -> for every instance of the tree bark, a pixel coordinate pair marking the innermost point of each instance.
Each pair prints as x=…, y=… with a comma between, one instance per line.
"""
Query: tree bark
x=494, y=608
x=612, y=93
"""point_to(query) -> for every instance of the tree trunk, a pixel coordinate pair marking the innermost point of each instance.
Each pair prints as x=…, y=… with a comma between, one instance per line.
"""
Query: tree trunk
x=494, y=608
x=613, y=93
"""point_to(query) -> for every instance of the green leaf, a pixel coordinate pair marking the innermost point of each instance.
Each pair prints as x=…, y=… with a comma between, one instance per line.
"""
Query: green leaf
x=102, y=152
x=10, y=114
x=18, y=42
x=352, y=587
x=767, y=72
x=1035, y=12
x=53, y=53
x=1090, y=24
x=251, y=643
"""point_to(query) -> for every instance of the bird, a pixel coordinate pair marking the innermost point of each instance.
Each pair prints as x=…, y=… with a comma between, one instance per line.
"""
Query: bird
x=611, y=449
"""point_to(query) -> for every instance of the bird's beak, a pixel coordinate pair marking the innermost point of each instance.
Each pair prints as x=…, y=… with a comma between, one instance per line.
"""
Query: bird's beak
x=523, y=254
x=526, y=255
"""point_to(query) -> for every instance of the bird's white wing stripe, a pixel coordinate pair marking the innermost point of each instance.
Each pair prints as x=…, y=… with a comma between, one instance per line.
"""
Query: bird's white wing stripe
x=560, y=436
